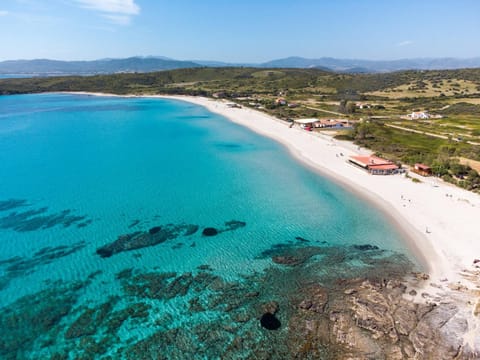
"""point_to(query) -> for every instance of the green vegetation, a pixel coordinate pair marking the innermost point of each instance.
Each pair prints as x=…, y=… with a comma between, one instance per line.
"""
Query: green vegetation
x=378, y=103
x=440, y=154
x=462, y=108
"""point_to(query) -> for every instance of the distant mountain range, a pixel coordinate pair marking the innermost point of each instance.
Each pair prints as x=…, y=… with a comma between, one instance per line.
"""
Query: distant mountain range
x=103, y=66
x=45, y=67
x=352, y=65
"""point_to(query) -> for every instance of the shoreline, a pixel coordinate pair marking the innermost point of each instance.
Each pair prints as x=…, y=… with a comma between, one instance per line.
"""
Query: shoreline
x=319, y=154
x=436, y=220
x=451, y=244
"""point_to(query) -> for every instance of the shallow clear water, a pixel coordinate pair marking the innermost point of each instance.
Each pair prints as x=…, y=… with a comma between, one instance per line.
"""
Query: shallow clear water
x=77, y=172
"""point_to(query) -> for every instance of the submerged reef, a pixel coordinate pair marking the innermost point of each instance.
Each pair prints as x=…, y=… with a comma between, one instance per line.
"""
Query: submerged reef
x=270, y=322
x=209, y=231
x=229, y=226
x=159, y=234
x=140, y=239
x=38, y=218
x=20, y=266
x=12, y=204
x=35, y=319
x=336, y=302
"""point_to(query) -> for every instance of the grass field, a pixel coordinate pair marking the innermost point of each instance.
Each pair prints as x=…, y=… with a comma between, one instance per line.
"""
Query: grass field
x=429, y=88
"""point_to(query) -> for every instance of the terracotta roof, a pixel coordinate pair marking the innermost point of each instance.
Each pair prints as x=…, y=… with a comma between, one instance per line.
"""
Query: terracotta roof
x=422, y=167
x=372, y=160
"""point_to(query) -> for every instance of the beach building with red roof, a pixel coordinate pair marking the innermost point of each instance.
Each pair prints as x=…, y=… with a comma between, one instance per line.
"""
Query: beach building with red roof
x=375, y=165
x=422, y=169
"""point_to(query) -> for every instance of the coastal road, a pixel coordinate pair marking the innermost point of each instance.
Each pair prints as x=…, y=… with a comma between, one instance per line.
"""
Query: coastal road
x=325, y=111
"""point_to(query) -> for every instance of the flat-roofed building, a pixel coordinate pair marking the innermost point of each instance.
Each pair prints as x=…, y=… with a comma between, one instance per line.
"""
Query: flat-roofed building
x=307, y=124
x=375, y=165
x=422, y=169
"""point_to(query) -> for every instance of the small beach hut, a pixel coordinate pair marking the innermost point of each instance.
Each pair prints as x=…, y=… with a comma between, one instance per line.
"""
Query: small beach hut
x=422, y=169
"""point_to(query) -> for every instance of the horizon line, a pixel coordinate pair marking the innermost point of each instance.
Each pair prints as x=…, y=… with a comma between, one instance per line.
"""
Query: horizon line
x=162, y=57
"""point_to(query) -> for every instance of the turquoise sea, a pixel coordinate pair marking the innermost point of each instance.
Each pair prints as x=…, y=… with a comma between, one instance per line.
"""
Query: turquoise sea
x=106, y=207
x=13, y=76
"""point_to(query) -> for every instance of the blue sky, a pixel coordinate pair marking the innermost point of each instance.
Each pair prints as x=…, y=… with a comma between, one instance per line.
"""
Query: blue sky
x=239, y=31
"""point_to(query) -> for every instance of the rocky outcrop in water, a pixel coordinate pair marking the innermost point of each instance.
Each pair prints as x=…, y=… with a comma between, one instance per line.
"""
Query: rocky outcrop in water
x=159, y=234
x=12, y=204
x=374, y=320
x=19, y=266
x=229, y=226
x=35, y=318
x=270, y=321
x=338, y=303
x=209, y=231
x=140, y=239
x=37, y=219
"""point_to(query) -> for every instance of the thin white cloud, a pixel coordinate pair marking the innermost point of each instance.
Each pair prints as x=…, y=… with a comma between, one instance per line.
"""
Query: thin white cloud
x=3, y=13
x=405, y=43
x=117, y=11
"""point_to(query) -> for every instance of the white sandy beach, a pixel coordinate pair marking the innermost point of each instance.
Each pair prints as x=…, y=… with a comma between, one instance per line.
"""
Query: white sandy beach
x=450, y=214
x=453, y=240
x=438, y=220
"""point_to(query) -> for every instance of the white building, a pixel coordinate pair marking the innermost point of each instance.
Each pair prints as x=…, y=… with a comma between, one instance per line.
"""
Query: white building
x=419, y=115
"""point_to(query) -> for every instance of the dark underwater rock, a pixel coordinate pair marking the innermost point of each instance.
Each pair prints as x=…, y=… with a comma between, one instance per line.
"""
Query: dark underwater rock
x=165, y=286
x=332, y=309
x=366, y=247
x=20, y=266
x=84, y=325
x=289, y=260
x=134, y=223
x=271, y=307
x=140, y=239
x=234, y=225
x=84, y=224
x=12, y=204
x=105, y=252
x=299, y=238
x=204, y=267
x=275, y=250
x=38, y=219
x=209, y=231
x=154, y=230
x=270, y=321
x=29, y=318
x=191, y=229
x=229, y=226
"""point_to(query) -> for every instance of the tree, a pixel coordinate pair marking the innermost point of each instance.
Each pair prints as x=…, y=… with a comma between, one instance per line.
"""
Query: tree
x=440, y=167
x=351, y=107
x=346, y=107
x=362, y=130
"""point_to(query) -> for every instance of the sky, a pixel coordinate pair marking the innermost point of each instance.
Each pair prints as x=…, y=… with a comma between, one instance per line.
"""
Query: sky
x=243, y=31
